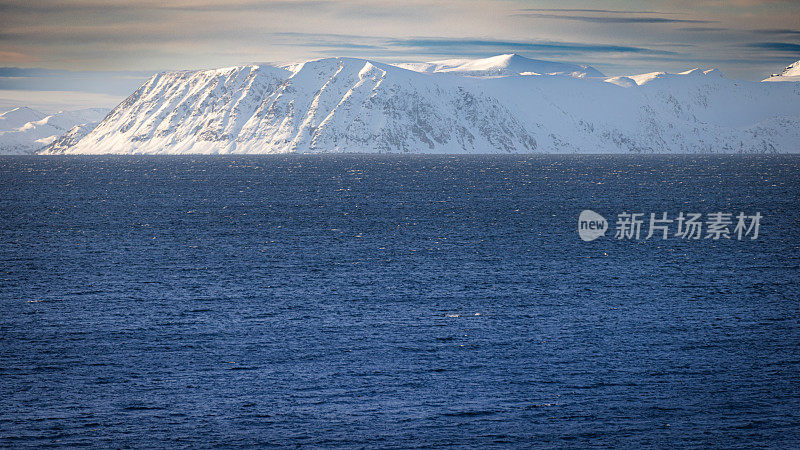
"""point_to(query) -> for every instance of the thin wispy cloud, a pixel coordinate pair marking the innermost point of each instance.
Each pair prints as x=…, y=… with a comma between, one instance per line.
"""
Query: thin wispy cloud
x=246, y=6
x=788, y=47
x=599, y=11
x=506, y=46
x=610, y=19
x=770, y=31
x=778, y=32
x=703, y=29
x=101, y=82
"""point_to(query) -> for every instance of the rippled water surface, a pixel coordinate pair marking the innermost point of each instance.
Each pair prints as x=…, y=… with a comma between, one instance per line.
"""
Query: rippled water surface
x=394, y=302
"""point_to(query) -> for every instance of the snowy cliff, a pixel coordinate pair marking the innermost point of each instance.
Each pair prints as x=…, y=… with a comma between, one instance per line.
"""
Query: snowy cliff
x=504, y=104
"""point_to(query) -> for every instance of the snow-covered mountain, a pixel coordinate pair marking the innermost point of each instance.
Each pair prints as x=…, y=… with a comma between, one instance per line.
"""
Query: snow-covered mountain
x=24, y=130
x=17, y=117
x=503, y=65
x=791, y=73
x=495, y=105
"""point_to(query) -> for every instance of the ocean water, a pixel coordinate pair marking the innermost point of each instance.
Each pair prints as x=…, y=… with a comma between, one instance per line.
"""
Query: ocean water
x=373, y=301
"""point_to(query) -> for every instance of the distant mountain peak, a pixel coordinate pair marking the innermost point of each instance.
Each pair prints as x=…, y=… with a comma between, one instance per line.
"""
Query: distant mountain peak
x=790, y=73
x=24, y=130
x=508, y=64
x=644, y=78
x=20, y=109
x=18, y=117
x=792, y=70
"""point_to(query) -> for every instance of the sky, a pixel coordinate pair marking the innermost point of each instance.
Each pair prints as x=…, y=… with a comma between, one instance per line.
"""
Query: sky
x=52, y=51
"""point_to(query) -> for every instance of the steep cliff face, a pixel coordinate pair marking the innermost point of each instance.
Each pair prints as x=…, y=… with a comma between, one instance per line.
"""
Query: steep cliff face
x=353, y=105
x=320, y=106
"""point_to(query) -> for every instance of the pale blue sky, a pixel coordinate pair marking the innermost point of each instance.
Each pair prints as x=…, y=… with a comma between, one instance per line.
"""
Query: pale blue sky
x=109, y=46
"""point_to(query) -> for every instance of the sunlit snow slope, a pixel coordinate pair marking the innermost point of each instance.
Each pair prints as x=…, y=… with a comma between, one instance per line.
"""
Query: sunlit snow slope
x=503, y=65
x=24, y=130
x=495, y=105
x=791, y=73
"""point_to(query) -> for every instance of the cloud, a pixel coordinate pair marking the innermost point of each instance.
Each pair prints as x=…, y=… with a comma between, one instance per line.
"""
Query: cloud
x=704, y=29
x=610, y=19
x=387, y=46
x=599, y=11
x=247, y=6
x=100, y=82
x=16, y=57
x=779, y=31
x=186, y=34
x=104, y=6
x=457, y=45
x=788, y=47
x=763, y=31
x=53, y=101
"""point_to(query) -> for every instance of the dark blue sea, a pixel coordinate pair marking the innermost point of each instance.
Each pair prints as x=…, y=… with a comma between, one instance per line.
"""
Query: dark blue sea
x=404, y=302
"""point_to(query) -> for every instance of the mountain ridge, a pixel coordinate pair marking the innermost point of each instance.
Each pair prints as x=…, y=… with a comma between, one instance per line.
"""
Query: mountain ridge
x=24, y=130
x=503, y=65
x=356, y=105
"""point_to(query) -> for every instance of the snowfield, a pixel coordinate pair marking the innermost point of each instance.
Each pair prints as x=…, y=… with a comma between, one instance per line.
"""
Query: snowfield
x=503, y=104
